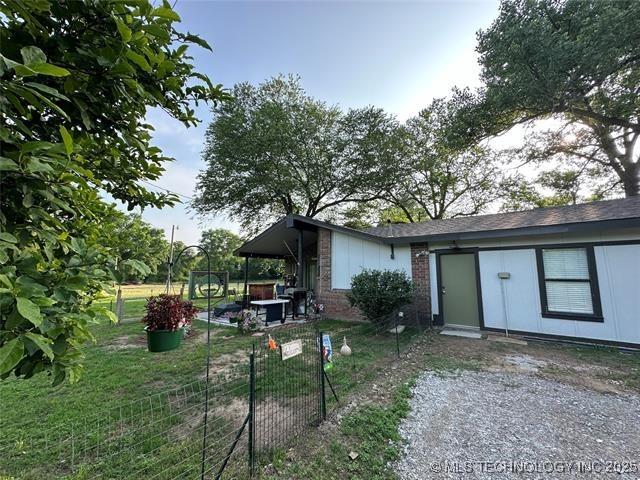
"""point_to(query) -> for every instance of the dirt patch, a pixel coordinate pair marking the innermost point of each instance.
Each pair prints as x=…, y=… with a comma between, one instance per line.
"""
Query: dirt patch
x=190, y=422
x=279, y=422
x=588, y=367
x=233, y=412
x=200, y=336
x=126, y=342
x=228, y=366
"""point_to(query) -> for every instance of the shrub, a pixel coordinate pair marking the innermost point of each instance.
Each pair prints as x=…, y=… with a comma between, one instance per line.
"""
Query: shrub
x=168, y=312
x=248, y=321
x=377, y=293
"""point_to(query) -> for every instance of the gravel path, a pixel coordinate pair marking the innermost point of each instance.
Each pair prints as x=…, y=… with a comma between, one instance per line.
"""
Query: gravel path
x=501, y=418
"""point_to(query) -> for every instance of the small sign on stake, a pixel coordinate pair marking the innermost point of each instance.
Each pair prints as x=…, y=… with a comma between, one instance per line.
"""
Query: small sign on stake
x=291, y=349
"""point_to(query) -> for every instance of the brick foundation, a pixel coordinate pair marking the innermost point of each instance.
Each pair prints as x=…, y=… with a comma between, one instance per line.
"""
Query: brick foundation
x=335, y=301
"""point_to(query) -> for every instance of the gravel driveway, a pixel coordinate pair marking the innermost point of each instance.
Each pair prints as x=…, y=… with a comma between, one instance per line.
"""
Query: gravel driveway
x=500, y=417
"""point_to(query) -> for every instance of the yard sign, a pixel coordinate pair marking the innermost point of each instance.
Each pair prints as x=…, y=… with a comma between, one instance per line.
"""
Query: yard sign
x=291, y=349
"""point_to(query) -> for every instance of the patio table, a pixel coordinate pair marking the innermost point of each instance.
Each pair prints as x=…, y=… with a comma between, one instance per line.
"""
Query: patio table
x=274, y=309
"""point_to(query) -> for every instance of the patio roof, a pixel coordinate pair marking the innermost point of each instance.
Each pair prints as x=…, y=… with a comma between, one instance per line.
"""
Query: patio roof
x=279, y=240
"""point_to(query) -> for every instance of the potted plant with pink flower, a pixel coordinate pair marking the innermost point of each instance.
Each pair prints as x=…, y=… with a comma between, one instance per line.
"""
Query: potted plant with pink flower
x=166, y=318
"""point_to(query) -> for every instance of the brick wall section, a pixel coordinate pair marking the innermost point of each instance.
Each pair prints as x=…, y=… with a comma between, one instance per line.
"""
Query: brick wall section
x=335, y=302
x=420, y=277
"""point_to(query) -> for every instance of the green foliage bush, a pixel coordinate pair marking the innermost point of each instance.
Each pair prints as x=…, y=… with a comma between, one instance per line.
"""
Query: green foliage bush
x=377, y=293
x=76, y=82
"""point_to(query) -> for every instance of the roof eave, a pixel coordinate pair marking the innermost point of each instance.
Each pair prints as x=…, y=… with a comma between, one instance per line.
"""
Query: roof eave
x=520, y=232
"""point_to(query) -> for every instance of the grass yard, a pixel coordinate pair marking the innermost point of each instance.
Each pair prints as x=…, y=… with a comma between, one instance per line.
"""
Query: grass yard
x=119, y=372
x=145, y=290
x=372, y=430
x=135, y=296
x=137, y=414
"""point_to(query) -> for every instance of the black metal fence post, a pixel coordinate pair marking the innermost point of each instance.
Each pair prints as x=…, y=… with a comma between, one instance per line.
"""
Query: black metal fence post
x=323, y=403
x=252, y=410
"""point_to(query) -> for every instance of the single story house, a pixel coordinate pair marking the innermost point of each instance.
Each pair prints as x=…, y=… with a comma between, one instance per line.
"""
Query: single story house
x=570, y=272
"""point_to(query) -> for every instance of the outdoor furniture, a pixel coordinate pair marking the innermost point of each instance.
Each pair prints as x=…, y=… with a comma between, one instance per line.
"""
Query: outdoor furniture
x=226, y=307
x=261, y=291
x=298, y=298
x=288, y=308
x=273, y=308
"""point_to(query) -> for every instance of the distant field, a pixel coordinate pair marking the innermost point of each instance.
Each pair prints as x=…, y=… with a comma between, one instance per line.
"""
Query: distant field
x=148, y=289
x=136, y=295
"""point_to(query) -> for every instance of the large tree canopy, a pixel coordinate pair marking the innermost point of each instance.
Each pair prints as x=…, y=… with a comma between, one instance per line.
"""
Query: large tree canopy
x=575, y=60
x=435, y=178
x=275, y=150
x=76, y=80
x=129, y=237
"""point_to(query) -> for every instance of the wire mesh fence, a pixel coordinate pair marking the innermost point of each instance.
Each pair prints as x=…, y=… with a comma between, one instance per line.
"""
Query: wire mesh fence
x=363, y=351
x=291, y=377
x=287, y=388
x=160, y=436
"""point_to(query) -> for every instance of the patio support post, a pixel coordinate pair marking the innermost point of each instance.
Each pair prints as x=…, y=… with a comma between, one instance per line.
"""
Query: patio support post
x=300, y=282
x=246, y=281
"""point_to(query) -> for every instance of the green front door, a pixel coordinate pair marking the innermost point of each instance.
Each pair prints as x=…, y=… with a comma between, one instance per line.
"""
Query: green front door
x=459, y=289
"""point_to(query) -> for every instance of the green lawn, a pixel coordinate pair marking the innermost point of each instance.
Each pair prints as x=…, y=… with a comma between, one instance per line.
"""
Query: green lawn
x=372, y=430
x=135, y=414
x=122, y=380
x=135, y=296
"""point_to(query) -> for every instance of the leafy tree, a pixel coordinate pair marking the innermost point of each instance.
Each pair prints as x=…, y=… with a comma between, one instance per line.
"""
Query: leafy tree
x=276, y=151
x=261, y=268
x=436, y=178
x=76, y=80
x=551, y=188
x=366, y=215
x=377, y=293
x=128, y=237
x=221, y=243
x=181, y=266
x=575, y=60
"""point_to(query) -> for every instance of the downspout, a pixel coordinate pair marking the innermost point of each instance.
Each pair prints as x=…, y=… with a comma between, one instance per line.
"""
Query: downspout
x=504, y=276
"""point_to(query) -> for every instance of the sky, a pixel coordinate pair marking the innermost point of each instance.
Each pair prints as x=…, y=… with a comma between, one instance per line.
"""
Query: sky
x=392, y=54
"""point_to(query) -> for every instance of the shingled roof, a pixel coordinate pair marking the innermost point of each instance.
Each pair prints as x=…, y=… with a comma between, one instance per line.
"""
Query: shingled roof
x=585, y=213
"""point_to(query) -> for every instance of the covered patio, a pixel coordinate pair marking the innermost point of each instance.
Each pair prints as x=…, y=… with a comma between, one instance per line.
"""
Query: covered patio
x=294, y=240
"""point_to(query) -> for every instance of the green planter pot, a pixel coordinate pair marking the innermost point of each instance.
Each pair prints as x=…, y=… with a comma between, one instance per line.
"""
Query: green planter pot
x=164, y=340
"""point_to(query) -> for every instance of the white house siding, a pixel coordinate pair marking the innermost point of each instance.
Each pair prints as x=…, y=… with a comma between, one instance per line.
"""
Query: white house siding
x=350, y=255
x=618, y=269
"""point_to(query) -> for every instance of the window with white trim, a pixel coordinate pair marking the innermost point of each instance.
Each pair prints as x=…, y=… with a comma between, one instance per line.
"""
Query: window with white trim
x=568, y=283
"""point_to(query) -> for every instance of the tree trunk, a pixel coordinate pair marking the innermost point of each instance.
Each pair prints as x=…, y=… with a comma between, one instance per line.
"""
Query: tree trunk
x=631, y=181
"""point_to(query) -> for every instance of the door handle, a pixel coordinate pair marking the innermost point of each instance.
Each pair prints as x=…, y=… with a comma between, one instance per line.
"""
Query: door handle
x=444, y=290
